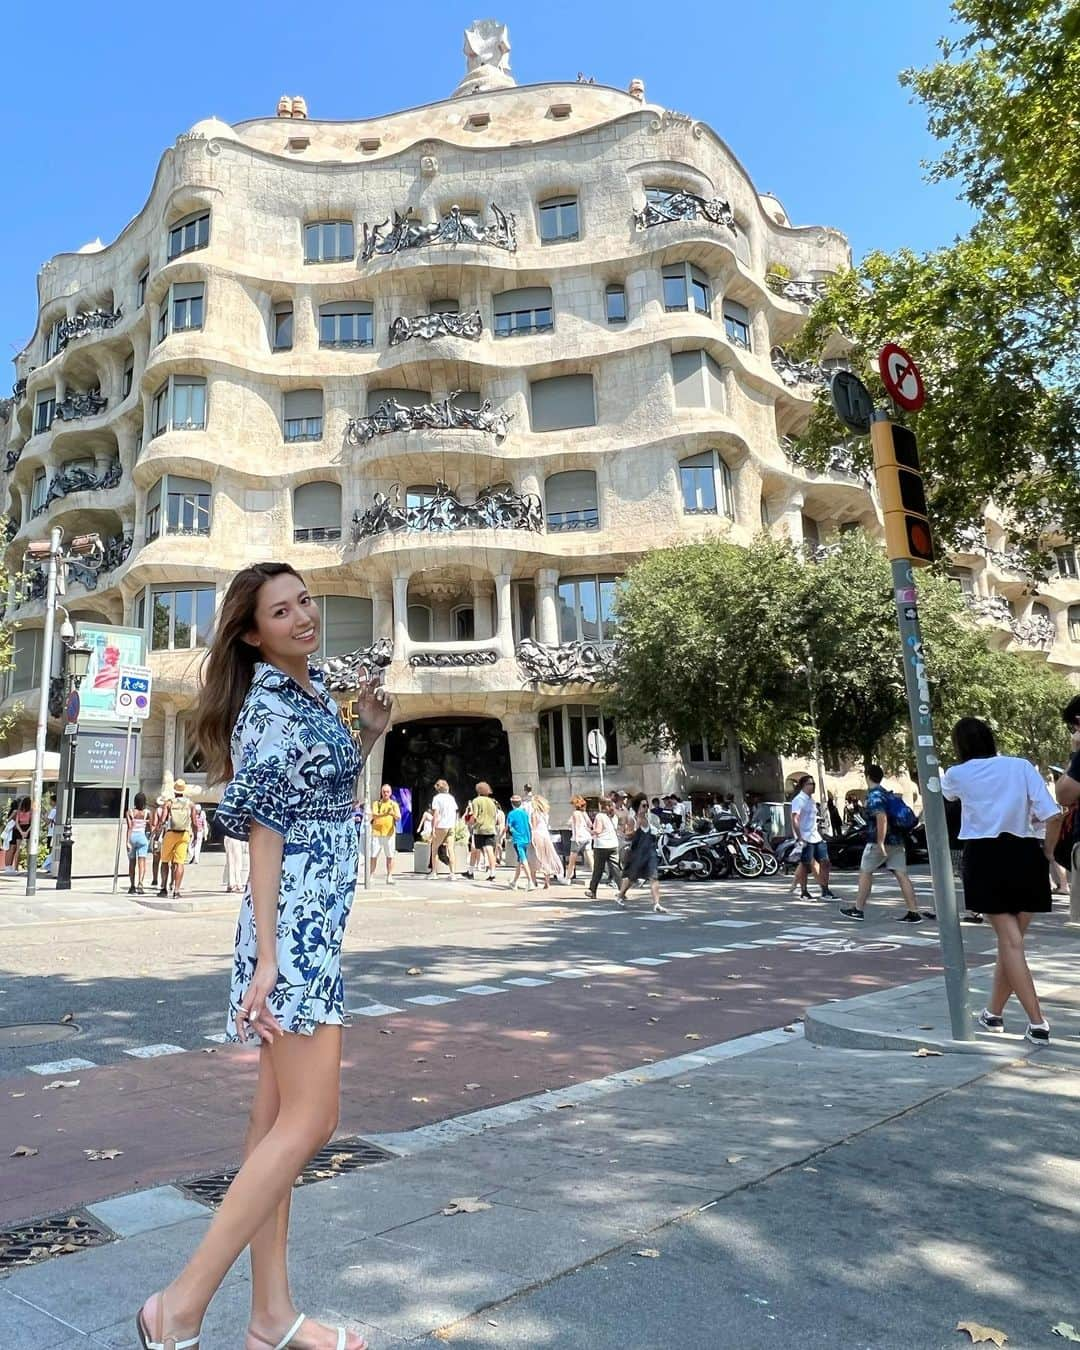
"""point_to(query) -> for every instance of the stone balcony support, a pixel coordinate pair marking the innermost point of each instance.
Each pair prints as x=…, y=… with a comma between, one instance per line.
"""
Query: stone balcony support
x=547, y=611
x=505, y=630
x=521, y=729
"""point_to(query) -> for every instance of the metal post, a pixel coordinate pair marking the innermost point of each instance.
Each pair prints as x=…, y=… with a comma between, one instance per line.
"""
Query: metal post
x=929, y=769
x=366, y=832
x=820, y=806
x=120, y=821
x=600, y=762
x=43, y=715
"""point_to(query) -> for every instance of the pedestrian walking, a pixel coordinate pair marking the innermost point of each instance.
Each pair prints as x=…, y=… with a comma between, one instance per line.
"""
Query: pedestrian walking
x=1006, y=807
x=50, y=832
x=1067, y=791
x=606, y=845
x=237, y=864
x=642, y=862
x=176, y=841
x=157, y=833
x=500, y=833
x=444, y=815
x=8, y=843
x=198, y=831
x=519, y=828
x=267, y=722
x=484, y=811
x=813, y=852
x=886, y=846
x=137, y=820
x=385, y=819
x=19, y=817
x=580, y=837
x=546, y=861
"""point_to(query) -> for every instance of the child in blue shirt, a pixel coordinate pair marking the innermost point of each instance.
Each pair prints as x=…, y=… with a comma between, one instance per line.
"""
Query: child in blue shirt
x=519, y=828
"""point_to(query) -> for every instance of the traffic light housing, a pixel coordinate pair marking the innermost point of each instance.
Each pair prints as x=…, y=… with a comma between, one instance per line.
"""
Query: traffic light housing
x=903, y=498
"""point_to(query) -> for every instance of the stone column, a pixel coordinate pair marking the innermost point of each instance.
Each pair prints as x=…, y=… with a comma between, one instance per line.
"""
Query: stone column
x=382, y=612
x=521, y=729
x=483, y=593
x=505, y=631
x=401, y=617
x=791, y=517
x=547, y=610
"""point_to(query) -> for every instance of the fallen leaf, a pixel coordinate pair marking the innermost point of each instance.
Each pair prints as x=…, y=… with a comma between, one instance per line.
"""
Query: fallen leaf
x=67, y=1017
x=385, y=1031
x=17, y=1094
x=414, y=970
x=103, y=1154
x=924, y=1053
x=736, y=1158
x=650, y=1252
x=654, y=1019
x=654, y=996
x=468, y=1204
x=981, y=1335
x=59, y=1083
x=24, y=1151
x=418, y=1099
x=692, y=1036
x=1066, y=1332
x=472, y=1087
x=565, y=1106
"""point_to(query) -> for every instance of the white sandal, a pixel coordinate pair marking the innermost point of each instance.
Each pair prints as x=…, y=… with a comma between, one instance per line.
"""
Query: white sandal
x=286, y=1340
x=172, y=1344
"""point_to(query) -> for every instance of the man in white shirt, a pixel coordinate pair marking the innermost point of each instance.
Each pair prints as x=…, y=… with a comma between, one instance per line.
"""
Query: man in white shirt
x=805, y=828
x=444, y=812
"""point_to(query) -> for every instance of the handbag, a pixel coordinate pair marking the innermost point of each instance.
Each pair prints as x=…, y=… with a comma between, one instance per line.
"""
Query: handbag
x=1067, y=839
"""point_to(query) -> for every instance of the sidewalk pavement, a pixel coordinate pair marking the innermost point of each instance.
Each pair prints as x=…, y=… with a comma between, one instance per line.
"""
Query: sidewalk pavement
x=735, y=1195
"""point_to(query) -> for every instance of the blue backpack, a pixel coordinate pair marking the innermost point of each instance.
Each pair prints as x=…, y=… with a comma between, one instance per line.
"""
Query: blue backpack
x=900, y=815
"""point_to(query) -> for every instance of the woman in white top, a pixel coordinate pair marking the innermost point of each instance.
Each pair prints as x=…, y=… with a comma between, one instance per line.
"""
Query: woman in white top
x=548, y=863
x=580, y=836
x=444, y=811
x=1010, y=825
x=605, y=846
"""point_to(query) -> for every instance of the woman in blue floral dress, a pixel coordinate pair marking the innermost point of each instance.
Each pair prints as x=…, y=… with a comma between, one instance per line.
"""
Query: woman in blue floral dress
x=267, y=723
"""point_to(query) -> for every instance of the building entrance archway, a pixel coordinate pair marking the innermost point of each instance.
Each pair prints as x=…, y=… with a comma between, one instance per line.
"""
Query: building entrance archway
x=463, y=750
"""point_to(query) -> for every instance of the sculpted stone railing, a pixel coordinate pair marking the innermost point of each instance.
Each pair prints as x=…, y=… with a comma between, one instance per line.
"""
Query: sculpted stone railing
x=1036, y=631
x=572, y=663
x=80, y=480
x=84, y=324
x=801, y=292
x=493, y=509
x=350, y=671
x=87, y=404
x=685, y=206
x=430, y=326
x=451, y=660
x=452, y=228
x=391, y=415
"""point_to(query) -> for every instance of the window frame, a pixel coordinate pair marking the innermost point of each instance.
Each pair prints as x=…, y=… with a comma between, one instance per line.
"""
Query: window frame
x=722, y=483
x=552, y=208
x=145, y=611
x=164, y=400
x=335, y=223
x=560, y=522
x=326, y=605
x=317, y=534
x=616, y=288
x=1073, y=621
x=562, y=737
x=1071, y=570
x=39, y=405
x=309, y=432
x=127, y=380
x=691, y=277
x=177, y=231
x=738, y=329
x=336, y=315
x=602, y=586
x=709, y=757
x=140, y=287
x=534, y=324
x=282, y=309
x=159, y=509
x=545, y=384
x=167, y=316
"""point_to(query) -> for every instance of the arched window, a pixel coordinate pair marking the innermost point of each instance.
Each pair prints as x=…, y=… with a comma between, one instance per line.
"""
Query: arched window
x=302, y=415
x=419, y=621
x=329, y=241
x=526, y=310
x=189, y=233
x=707, y=487
x=317, y=512
x=1074, y=623
x=570, y=500
x=347, y=624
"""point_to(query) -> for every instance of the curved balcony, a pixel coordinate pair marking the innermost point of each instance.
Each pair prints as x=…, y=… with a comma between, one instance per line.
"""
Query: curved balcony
x=391, y=416
x=69, y=482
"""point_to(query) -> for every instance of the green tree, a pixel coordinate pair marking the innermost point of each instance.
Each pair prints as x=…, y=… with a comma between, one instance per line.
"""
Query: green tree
x=993, y=318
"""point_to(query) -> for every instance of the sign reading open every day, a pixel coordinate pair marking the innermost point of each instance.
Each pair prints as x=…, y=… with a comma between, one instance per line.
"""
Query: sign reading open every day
x=99, y=758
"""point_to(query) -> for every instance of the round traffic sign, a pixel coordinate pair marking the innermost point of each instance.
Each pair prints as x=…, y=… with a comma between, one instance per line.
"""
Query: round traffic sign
x=901, y=378
x=851, y=401
x=597, y=745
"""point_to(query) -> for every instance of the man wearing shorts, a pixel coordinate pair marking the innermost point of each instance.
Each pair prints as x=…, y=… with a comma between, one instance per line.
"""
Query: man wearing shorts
x=814, y=852
x=483, y=810
x=385, y=818
x=177, y=840
x=885, y=848
x=519, y=828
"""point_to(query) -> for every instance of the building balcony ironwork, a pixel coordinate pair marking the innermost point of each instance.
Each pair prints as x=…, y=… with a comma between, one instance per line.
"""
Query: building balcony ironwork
x=793, y=373
x=455, y=227
x=584, y=518
x=1036, y=631
x=86, y=404
x=443, y=510
x=18, y=390
x=570, y=663
x=802, y=292
x=662, y=210
x=447, y=415
x=448, y=324
x=85, y=324
x=80, y=480
x=350, y=671
x=117, y=549
x=449, y=659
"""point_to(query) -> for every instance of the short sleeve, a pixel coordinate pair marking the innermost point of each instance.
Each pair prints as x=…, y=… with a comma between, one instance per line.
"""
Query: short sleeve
x=1043, y=806
x=948, y=787
x=260, y=789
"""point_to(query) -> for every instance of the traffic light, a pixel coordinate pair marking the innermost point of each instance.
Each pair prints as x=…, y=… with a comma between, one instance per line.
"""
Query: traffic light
x=903, y=499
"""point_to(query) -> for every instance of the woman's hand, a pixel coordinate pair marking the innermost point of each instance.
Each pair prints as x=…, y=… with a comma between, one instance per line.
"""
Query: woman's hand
x=253, y=1014
x=372, y=706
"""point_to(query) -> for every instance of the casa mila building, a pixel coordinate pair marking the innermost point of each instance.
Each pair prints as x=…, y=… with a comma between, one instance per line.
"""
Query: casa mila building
x=461, y=365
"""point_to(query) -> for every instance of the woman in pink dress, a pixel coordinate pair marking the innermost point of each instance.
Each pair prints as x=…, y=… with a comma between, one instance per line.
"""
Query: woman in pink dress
x=548, y=864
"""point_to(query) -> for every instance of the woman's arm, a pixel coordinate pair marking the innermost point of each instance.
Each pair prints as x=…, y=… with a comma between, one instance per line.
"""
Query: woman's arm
x=1053, y=834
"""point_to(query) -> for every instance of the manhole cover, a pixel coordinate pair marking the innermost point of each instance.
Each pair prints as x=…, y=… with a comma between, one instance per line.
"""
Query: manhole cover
x=344, y=1155
x=36, y=1033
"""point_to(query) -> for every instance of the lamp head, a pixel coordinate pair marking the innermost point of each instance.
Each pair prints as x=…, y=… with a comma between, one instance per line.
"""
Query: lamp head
x=79, y=654
x=67, y=631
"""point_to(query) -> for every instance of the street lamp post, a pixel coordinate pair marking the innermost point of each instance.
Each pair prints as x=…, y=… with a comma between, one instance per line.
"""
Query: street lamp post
x=77, y=662
x=49, y=551
x=811, y=684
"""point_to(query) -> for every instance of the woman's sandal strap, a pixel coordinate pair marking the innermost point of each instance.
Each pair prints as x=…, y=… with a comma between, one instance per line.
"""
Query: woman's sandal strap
x=286, y=1340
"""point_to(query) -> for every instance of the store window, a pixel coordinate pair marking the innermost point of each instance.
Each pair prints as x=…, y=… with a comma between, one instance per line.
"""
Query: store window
x=564, y=734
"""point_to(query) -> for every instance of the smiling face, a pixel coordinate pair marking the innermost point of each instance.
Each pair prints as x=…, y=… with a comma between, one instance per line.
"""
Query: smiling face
x=287, y=621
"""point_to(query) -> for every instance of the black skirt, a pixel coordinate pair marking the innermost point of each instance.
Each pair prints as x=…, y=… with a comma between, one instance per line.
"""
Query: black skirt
x=1006, y=875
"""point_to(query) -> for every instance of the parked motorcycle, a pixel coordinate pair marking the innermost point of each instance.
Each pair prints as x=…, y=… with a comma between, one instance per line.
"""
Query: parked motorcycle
x=692, y=857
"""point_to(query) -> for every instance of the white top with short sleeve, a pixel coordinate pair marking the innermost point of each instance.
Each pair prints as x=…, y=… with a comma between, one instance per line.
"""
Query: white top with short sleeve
x=1002, y=795
x=805, y=808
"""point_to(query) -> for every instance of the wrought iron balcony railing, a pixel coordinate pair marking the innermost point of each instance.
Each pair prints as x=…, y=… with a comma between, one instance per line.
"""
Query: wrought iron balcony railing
x=661, y=210
x=90, y=321
x=453, y=324
x=79, y=479
x=87, y=404
x=802, y=292
x=391, y=415
x=493, y=509
x=453, y=228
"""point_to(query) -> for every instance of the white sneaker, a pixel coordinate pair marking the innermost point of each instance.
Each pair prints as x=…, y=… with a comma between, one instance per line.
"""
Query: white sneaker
x=390, y=881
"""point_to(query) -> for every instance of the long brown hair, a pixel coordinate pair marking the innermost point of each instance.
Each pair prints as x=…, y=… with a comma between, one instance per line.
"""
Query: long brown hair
x=229, y=665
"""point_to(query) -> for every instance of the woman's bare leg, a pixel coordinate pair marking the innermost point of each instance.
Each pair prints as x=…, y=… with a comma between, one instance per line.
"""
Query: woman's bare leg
x=1014, y=977
x=306, y=1072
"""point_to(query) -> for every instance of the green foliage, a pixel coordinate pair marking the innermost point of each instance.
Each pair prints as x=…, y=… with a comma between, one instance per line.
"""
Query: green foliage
x=994, y=319
x=713, y=636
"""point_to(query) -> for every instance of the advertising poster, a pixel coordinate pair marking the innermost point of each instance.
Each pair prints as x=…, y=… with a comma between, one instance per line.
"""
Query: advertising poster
x=110, y=648
x=99, y=758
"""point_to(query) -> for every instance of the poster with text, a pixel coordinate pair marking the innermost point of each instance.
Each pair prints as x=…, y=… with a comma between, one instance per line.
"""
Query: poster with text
x=110, y=648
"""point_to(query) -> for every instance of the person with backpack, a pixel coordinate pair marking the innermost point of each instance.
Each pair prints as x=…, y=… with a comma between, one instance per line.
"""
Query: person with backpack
x=891, y=820
x=177, y=840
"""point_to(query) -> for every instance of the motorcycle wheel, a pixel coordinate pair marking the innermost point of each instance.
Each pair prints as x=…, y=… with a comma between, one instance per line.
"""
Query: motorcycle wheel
x=708, y=866
x=751, y=865
x=771, y=866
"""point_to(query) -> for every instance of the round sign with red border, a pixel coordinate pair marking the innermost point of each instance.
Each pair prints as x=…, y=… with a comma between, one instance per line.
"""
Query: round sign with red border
x=901, y=378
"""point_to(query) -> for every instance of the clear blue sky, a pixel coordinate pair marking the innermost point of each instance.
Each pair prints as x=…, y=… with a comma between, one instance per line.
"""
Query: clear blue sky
x=805, y=94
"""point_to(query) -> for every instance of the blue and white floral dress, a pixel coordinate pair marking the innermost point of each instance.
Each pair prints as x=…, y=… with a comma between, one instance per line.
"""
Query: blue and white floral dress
x=295, y=768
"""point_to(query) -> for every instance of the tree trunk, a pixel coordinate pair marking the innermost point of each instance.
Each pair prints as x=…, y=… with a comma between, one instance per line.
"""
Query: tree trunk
x=738, y=786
